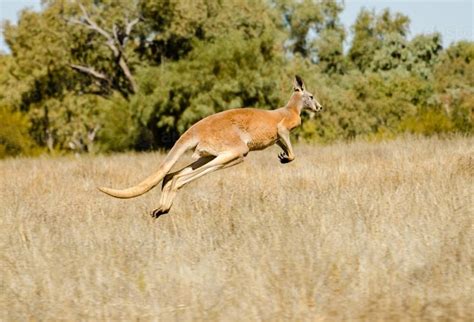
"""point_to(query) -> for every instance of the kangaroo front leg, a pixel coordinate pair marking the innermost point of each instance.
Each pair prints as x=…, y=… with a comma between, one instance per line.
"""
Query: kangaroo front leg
x=284, y=142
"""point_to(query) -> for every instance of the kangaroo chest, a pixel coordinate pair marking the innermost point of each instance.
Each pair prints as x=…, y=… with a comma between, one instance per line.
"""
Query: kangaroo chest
x=291, y=122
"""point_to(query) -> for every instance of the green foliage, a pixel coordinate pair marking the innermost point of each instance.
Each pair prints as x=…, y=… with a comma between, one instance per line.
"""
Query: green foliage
x=228, y=73
x=455, y=68
x=425, y=50
x=428, y=122
x=121, y=127
x=118, y=75
x=459, y=104
x=315, y=31
x=454, y=75
x=14, y=138
x=379, y=40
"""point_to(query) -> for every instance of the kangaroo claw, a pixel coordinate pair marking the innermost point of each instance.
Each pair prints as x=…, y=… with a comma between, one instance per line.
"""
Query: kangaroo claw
x=158, y=212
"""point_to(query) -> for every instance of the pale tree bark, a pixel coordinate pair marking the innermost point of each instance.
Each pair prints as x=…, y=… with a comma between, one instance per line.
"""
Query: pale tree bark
x=80, y=143
x=116, y=41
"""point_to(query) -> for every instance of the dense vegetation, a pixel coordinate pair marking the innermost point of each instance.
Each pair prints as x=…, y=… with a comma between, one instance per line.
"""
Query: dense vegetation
x=119, y=75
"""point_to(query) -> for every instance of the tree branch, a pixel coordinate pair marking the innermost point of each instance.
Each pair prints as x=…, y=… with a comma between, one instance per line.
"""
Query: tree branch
x=130, y=25
x=116, y=36
x=128, y=74
x=86, y=21
x=90, y=71
x=91, y=24
x=115, y=41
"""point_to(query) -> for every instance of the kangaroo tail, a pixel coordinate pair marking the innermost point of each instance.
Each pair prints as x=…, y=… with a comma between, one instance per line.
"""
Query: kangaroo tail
x=150, y=182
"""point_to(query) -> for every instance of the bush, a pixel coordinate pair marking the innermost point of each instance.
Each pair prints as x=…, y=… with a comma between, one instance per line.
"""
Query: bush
x=462, y=113
x=14, y=138
x=121, y=127
x=428, y=122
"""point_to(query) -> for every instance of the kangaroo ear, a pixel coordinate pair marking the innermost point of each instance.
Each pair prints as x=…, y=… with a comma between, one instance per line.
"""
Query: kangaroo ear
x=298, y=83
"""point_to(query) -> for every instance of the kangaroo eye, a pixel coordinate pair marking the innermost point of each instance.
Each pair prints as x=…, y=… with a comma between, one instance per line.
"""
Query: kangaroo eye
x=311, y=96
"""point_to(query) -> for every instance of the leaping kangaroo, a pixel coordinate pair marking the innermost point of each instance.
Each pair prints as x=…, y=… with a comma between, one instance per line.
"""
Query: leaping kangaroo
x=223, y=140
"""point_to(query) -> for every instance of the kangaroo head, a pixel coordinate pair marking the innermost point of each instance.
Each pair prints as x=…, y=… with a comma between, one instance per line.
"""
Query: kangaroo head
x=307, y=99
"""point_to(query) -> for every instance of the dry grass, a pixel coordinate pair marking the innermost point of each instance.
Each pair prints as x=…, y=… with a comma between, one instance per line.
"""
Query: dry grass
x=350, y=231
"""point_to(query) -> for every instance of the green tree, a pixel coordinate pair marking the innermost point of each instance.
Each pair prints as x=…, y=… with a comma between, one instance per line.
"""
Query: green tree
x=103, y=46
x=60, y=102
x=425, y=51
x=314, y=31
x=38, y=45
x=454, y=75
x=234, y=61
x=372, y=34
x=229, y=73
x=101, y=75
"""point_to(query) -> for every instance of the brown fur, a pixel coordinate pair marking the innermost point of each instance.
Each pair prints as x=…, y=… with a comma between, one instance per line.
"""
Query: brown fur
x=223, y=140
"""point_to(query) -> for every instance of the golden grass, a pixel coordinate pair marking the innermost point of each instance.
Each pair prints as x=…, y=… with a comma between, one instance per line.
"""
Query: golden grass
x=351, y=231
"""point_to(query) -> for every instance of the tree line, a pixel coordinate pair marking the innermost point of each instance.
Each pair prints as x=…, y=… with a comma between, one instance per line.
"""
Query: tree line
x=115, y=75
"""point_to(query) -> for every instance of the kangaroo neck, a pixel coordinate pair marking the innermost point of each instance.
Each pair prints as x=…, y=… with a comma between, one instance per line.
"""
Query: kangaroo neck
x=290, y=115
x=294, y=105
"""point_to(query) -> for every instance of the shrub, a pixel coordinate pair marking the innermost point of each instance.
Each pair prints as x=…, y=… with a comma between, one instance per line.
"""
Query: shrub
x=14, y=138
x=428, y=122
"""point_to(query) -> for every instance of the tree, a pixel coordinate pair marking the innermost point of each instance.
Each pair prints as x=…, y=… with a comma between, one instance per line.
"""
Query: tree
x=454, y=75
x=107, y=75
x=40, y=70
x=372, y=33
x=55, y=97
x=314, y=31
x=238, y=67
x=328, y=45
x=455, y=68
x=116, y=40
x=425, y=51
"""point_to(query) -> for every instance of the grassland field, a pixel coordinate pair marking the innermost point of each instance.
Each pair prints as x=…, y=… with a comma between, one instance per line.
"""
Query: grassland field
x=351, y=231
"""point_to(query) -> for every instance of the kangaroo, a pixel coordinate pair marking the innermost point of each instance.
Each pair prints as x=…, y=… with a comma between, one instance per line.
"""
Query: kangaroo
x=223, y=140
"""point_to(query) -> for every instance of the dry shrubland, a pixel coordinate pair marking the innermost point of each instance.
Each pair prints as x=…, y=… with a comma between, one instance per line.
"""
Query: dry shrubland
x=368, y=231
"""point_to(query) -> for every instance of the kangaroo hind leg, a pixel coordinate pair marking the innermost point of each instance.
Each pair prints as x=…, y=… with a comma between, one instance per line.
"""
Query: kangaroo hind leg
x=191, y=173
x=167, y=194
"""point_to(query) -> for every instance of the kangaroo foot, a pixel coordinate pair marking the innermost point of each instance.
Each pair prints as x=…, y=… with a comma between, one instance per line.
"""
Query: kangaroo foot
x=158, y=212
